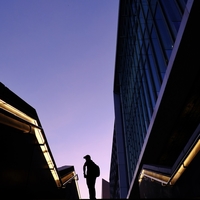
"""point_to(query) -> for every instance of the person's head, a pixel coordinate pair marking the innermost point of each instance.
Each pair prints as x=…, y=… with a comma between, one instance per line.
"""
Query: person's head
x=87, y=157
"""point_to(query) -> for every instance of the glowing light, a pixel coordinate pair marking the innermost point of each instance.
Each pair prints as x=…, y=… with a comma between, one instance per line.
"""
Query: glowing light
x=186, y=162
x=155, y=176
x=15, y=111
x=33, y=128
x=172, y=179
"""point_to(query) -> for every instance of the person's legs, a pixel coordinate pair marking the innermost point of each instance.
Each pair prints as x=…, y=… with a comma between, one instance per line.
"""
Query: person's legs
x=92, y=192
x=91, y=187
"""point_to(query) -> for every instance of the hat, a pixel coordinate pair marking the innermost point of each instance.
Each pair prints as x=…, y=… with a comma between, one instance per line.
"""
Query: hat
x=87, y=157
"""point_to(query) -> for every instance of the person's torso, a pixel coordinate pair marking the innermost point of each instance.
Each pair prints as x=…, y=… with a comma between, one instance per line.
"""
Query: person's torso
x=90, y=168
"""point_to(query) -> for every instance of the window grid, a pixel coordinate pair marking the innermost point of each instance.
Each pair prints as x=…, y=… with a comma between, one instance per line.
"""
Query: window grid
x=148, y=38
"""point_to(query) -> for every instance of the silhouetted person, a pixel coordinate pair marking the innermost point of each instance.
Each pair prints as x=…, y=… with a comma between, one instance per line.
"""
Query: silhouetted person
x=89, y=174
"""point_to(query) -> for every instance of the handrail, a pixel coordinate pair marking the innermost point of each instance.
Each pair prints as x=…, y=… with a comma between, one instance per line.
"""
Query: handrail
x=68, y=181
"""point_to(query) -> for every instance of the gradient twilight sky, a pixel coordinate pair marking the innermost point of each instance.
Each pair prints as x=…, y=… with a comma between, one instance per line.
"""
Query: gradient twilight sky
x=59, y=57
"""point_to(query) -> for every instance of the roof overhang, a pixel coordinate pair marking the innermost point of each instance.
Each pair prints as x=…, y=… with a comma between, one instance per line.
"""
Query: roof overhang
x=28, y=168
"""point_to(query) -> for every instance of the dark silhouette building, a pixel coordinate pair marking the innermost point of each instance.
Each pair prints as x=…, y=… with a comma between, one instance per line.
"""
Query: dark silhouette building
x=105, y=189
x=155, y=150
x=28, y=169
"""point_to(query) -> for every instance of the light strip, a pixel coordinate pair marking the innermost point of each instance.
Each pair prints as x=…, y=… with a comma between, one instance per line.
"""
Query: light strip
x=155, y=176
x=15, y=112
x=186, y=163
x=39, y=136
x=172, y=180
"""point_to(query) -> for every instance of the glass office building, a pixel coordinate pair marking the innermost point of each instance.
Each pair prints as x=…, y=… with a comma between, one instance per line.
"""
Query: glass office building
x=155, y=98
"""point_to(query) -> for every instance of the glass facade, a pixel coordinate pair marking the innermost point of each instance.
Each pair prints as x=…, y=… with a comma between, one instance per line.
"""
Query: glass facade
x=147, y=30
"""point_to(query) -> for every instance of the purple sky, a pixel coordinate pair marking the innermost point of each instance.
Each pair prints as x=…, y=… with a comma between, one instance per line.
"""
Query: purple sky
x=59, y=56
